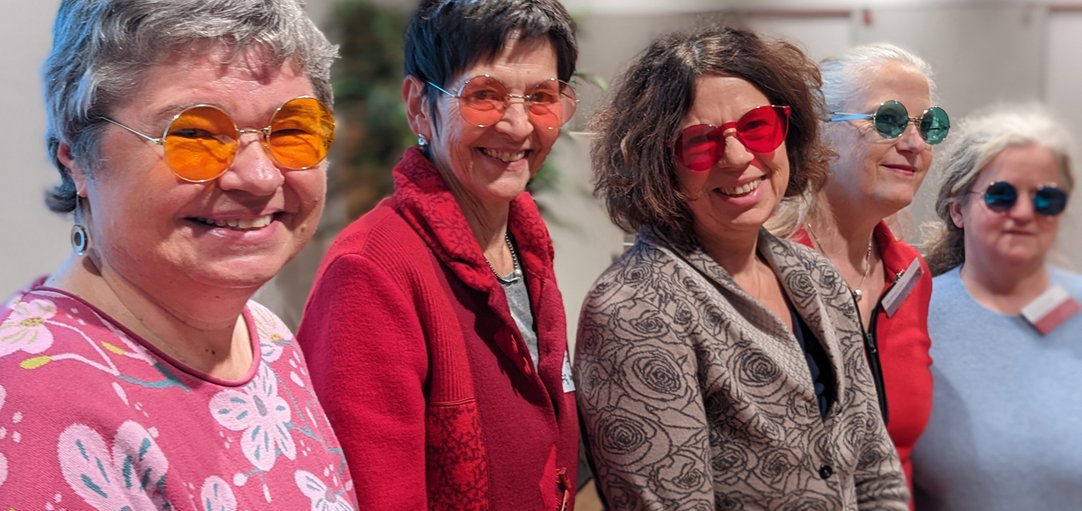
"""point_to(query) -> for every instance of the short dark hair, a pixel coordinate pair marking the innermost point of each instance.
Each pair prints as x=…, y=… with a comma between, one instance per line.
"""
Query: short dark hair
x=445, y=37
x=634, y=170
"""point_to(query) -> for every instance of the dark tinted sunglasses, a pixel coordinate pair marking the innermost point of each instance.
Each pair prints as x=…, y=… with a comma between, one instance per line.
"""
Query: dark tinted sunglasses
x=762, y=129
x=891, y=119
x=1048, y=200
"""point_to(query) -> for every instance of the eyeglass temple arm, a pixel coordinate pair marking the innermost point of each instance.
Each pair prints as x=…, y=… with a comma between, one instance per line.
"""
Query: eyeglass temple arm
x=846, y=116
x=441, y=89
x=135, y=131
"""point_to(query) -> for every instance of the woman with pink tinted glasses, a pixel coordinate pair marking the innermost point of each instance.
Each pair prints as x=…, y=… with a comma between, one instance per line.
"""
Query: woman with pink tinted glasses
x=719, y=367
x=435, y=328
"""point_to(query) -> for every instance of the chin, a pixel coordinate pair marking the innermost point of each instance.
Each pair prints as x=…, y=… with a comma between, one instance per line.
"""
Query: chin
x=246, y=273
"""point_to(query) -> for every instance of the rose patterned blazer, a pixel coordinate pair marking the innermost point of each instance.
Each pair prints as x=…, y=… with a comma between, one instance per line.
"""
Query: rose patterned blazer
x=695, y=396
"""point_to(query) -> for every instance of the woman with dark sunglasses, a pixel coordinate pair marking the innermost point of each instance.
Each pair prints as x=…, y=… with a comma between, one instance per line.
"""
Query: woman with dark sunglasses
x=435, y=330
x=882, y=126
x=189, y=137
x=1005, y=324
x=719, y=367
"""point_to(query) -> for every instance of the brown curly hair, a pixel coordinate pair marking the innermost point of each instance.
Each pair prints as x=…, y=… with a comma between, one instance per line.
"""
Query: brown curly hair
x=634, y=171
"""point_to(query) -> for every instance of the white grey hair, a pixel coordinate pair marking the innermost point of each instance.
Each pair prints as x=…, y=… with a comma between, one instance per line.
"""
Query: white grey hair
x=845, y=76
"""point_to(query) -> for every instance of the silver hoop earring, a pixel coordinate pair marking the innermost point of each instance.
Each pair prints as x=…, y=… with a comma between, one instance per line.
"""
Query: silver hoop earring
x=80, y=237
x=421, y=140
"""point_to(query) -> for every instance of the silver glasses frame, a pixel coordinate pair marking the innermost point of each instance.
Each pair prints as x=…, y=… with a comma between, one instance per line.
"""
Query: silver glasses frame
x=915, y=121
x=564, y=86
x=263, y=133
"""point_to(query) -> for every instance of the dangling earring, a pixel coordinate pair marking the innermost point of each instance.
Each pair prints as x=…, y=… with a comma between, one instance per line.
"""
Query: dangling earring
x=422, y=141
x=80, y=238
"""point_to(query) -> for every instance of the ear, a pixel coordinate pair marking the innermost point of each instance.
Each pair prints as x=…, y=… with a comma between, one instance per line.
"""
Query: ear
x=78, y=175
x=955, y=210
x=413, y=94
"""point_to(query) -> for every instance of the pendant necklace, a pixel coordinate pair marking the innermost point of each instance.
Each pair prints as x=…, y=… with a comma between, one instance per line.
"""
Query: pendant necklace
x=857, y=292
x=515, y=274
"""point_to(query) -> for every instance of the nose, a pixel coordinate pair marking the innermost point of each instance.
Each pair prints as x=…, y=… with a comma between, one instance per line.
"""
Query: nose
x=910, y=141
x=1023, y=210
x=515, y=121
x=253, y=171
x=736, y=154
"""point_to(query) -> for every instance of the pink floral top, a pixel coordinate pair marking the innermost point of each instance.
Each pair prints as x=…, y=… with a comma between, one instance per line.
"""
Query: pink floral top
x=92, y=416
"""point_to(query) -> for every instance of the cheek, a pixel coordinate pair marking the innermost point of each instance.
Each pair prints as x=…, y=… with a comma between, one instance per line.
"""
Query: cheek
x=1050, y=228
x=546, y=138
x=779, y=170
x=691, y=182
x=309, y=187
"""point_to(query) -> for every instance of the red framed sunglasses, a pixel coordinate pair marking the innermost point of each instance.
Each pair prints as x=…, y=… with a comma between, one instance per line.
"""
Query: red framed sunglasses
x=762, y=129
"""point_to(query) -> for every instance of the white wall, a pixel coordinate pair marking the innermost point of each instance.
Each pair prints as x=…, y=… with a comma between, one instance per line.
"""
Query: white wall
x=982, y=51
x=34, y=240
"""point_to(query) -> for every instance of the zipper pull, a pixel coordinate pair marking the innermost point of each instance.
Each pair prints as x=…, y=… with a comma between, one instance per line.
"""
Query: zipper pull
x=564, y=484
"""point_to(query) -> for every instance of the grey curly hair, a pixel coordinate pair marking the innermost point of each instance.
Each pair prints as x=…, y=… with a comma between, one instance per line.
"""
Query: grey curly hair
x=975, y=143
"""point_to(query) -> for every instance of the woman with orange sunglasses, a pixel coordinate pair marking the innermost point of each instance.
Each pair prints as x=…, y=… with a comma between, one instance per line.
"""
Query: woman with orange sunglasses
x=435, y=328
x=190, y=138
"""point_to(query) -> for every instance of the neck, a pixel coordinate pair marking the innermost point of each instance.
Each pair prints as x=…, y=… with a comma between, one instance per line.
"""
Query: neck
x=1004, y=288
x=842, y=235
x=737, y=254
x=488, y=223
x=204, y=330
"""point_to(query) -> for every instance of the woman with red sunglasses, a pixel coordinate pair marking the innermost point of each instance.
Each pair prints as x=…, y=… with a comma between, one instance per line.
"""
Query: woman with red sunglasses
x=1005, y=323
x=435, y=330
x=882, y=125
x=719, y=367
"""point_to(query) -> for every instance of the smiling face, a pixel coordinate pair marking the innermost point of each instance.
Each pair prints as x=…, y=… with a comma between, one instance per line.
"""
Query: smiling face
x=872, y=173
x=164, y=235
x=492, y=164
x=1018, y=236
x=735, y=196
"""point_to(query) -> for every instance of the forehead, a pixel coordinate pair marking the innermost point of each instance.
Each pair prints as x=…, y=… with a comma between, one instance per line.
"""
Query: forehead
x=526, y=59
x=720, y=99
x=894, y=80
x=249, y=82
x=1026, y=166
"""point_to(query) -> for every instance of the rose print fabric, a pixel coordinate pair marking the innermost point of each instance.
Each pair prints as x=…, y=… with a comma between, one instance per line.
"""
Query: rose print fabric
x=93, y=417
x=694, y=396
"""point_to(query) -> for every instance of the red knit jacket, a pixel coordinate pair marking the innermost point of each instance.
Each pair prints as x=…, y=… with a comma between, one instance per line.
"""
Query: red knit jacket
x=903, y=346
x=420, y=367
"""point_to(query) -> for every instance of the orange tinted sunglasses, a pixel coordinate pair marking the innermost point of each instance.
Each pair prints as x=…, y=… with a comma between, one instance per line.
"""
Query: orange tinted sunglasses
x=201, y=141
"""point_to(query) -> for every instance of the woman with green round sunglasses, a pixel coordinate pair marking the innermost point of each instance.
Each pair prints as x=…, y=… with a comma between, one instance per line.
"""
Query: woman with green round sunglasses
x=880, y=164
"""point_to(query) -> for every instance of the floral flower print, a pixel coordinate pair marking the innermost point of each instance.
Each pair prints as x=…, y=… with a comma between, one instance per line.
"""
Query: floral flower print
x=217, y=495
x=263, y=416
x=131, y=475
x=25, y=328
x=323, y=498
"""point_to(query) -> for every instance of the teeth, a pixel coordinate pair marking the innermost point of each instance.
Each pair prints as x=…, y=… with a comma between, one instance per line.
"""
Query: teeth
x=254, y=223
x=505, y=156
x=742, y=189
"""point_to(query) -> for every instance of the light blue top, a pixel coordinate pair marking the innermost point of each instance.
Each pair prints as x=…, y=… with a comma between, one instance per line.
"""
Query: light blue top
x=1006, y=425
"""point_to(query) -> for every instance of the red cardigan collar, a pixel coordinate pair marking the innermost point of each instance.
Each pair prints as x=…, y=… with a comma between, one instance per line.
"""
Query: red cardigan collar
x=424, y=200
